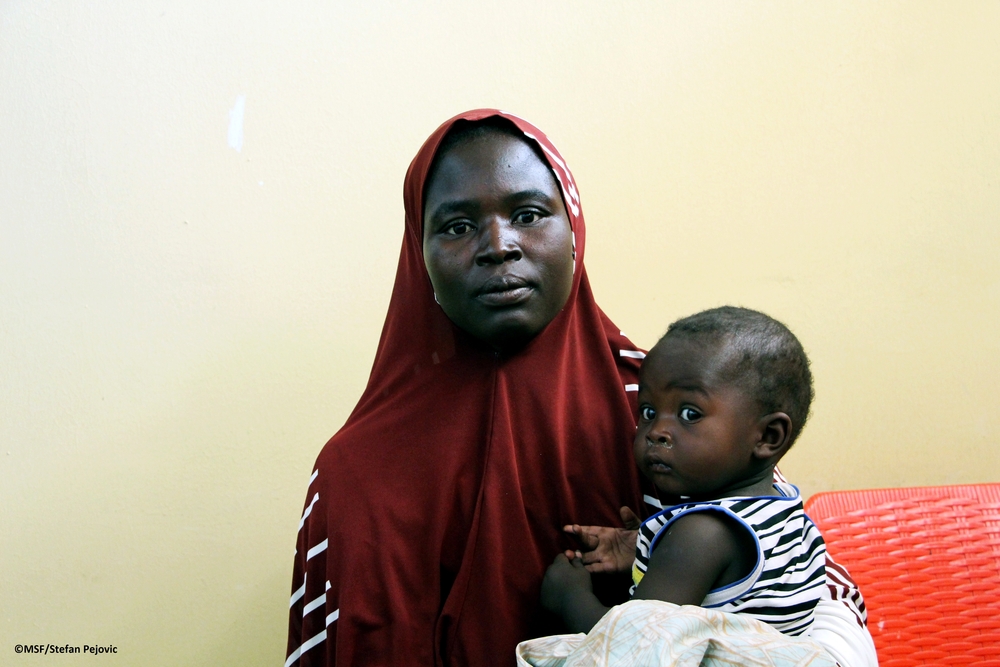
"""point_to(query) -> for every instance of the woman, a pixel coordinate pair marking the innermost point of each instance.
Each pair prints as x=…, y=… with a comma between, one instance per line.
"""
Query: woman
x=499, y=409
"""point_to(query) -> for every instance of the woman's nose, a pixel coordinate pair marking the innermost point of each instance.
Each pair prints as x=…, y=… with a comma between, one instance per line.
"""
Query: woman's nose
x=499, y=243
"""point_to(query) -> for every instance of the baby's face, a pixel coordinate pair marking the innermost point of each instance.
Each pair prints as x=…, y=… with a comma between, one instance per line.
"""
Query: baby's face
x=695, y=434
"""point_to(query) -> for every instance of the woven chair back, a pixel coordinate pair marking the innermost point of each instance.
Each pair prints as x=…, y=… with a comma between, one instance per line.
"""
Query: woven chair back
x=927, y=560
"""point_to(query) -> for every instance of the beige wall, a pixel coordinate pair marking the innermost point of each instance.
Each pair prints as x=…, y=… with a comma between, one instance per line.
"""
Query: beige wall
x=183, y=324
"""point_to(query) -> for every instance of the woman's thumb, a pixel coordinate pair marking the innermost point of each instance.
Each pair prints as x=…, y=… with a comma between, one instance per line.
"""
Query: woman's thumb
x=629, y=518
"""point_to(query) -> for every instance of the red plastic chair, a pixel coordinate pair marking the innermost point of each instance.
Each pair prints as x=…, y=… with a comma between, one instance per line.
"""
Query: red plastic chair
x=927, y=560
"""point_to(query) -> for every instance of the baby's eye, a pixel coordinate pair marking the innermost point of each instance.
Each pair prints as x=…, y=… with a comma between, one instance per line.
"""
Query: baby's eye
x=689, y=414
x=647, y=413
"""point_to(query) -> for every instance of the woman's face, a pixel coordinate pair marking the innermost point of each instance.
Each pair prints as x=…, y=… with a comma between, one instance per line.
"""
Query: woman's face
x=497, y=240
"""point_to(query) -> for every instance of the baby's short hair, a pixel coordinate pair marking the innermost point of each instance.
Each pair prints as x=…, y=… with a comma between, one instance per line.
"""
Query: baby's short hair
x=765, y=358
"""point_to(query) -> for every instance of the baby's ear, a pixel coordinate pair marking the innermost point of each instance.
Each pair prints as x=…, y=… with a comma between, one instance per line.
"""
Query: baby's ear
x=775, y=436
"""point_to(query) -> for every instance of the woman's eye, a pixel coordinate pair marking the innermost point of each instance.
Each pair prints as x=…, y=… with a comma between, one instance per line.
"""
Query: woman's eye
x=458, y=228
x=647, y=414
x=689, y=414
x=526, y=217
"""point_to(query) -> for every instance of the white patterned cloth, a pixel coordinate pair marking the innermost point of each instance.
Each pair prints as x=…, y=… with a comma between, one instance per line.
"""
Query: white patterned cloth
x=650, y=632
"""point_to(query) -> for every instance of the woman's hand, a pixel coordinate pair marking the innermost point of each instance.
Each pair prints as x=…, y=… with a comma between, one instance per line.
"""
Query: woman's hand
x=605, y=549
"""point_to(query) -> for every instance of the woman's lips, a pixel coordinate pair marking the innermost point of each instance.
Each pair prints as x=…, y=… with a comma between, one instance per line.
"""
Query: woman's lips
x=502, y=291
x=510, y=297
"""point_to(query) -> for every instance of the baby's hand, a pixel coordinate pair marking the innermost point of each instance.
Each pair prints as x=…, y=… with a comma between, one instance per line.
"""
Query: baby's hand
x=606, y=549
x=562, y=578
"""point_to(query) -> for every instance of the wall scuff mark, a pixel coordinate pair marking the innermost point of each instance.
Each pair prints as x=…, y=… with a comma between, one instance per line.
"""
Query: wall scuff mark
x=236, y=123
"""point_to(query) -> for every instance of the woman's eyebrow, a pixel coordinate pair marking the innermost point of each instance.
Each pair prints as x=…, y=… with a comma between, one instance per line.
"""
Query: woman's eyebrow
x=528, y=194
x=473, y=206
x=454, y=206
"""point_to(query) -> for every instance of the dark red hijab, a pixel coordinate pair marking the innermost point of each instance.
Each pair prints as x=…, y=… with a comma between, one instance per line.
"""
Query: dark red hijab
x=432, y=514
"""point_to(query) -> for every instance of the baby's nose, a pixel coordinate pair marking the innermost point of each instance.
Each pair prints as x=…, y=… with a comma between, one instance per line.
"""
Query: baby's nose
x=660, y=440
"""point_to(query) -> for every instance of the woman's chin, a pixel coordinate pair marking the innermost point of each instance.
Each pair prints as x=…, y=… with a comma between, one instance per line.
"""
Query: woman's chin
x=509, y=334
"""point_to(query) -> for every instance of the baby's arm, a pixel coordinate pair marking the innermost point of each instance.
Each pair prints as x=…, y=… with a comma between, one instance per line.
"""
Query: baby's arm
x=700, y=551
x=567, y=592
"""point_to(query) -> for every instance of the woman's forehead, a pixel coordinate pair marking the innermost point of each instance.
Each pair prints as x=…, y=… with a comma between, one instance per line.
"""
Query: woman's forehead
x=488, y=166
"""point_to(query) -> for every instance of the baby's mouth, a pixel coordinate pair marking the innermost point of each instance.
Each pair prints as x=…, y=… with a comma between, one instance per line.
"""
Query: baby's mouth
x=656, y=465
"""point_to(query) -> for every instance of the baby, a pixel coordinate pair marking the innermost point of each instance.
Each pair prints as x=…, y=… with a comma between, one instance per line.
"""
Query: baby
x=722, y=397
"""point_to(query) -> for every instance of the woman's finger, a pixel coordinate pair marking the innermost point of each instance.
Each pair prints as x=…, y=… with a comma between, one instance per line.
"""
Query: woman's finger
x=629, y=518
x=588, y=537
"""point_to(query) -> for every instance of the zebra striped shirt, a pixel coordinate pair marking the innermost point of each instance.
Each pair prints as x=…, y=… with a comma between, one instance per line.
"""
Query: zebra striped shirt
x=789, y=576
